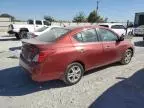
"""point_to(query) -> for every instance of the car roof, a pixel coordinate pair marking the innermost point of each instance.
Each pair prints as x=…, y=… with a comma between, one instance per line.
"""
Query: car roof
x=80, y=27
x=110, y=24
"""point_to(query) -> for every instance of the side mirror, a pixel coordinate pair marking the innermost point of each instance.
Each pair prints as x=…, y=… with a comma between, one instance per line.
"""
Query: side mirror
x=121, y=38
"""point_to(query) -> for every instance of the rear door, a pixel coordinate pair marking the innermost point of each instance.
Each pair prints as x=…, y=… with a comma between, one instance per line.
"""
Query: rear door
x=110, y=45
x=91, y=50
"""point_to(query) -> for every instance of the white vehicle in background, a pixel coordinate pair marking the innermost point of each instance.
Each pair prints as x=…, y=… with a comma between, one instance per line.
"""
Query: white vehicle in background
x=40, y=31
x=139, y=31
x=20, y=30
x=118, y=28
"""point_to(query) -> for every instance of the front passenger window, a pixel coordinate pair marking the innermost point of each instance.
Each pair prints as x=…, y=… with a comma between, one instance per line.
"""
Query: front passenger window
x=107, y=35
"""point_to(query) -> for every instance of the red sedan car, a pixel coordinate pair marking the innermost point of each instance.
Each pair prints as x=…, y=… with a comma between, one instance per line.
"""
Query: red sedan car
x=66, y=53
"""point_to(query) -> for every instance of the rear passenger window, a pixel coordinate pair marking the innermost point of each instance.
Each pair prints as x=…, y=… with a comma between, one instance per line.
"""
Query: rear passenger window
x=30, y=22
x=87, y=36
x=38, y=22
x=78, y=37
x=46, y=23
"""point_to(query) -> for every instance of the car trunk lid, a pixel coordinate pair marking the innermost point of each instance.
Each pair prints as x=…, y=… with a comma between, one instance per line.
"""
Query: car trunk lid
x=32, y=49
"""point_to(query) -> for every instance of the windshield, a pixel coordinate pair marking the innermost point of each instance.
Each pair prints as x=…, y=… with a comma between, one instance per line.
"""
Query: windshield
x=52, y=34
x=41, y=29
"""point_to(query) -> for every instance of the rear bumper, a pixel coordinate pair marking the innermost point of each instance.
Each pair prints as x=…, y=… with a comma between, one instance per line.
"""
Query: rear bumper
x=36, y=71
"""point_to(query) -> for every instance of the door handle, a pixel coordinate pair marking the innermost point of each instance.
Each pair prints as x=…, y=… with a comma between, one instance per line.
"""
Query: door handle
x=107, y=47
x=81, y=50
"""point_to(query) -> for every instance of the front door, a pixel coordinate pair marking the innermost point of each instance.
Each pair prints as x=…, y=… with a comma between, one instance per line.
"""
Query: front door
x=110, y=45
x=91, y=50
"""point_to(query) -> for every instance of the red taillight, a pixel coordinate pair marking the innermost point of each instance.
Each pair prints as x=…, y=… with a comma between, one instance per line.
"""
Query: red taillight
x=40, y=57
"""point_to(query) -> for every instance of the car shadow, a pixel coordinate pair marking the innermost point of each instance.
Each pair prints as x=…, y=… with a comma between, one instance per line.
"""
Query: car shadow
x=139, y=43
x=15, y=48
x=15, y=82
x=101, y=68
x=128, y=93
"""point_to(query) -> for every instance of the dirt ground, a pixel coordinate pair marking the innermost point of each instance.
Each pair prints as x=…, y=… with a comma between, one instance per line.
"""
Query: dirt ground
x=113, y=86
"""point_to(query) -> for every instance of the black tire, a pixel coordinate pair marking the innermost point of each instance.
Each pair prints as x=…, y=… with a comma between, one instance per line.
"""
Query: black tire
x=23, y=34
x=143, y=38
x=17, y=36
x=67, y=79
x=126, y=59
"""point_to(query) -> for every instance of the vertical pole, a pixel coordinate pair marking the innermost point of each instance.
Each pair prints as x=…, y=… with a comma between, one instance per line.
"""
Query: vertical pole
x=97, y=8
x=127, y=26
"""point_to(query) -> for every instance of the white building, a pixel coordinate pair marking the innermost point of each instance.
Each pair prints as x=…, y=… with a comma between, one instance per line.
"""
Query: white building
x=4, y=23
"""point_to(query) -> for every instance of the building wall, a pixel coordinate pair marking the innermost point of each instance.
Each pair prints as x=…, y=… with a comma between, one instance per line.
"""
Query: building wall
x=137, y=15
x=4, y=22
x=3, y=19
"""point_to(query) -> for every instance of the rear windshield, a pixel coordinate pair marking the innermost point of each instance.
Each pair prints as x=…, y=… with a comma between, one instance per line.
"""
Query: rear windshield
x=104, y=26
x=52, y=34
x=41, y=29
x=117, y=27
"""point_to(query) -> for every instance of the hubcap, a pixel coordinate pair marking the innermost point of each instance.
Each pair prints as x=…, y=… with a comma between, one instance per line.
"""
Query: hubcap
x=74, y=74
x=128, y=57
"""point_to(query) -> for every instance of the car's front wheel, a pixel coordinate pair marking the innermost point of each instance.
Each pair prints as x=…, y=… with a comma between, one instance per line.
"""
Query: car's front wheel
x=23, y=34
x=73, y=73
x=127, y=57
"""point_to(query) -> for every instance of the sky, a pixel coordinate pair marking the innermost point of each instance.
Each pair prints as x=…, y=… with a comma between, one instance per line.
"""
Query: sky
x=114, y=10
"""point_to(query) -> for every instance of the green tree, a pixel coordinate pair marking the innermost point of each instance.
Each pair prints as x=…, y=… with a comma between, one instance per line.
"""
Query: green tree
x=49, y=18
x=94, y=17
x=8, y=16
x=80, y=17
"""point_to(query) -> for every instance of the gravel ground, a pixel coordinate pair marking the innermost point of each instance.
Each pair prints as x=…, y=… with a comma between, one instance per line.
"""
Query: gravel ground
x=109, y=85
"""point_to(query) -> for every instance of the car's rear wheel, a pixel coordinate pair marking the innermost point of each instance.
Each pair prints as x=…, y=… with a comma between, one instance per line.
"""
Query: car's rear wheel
x=17, y=36
x=73, y=74
x=127, y=57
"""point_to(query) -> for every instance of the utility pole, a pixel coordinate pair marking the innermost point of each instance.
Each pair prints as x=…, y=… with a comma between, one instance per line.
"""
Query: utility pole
x=97, y=8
